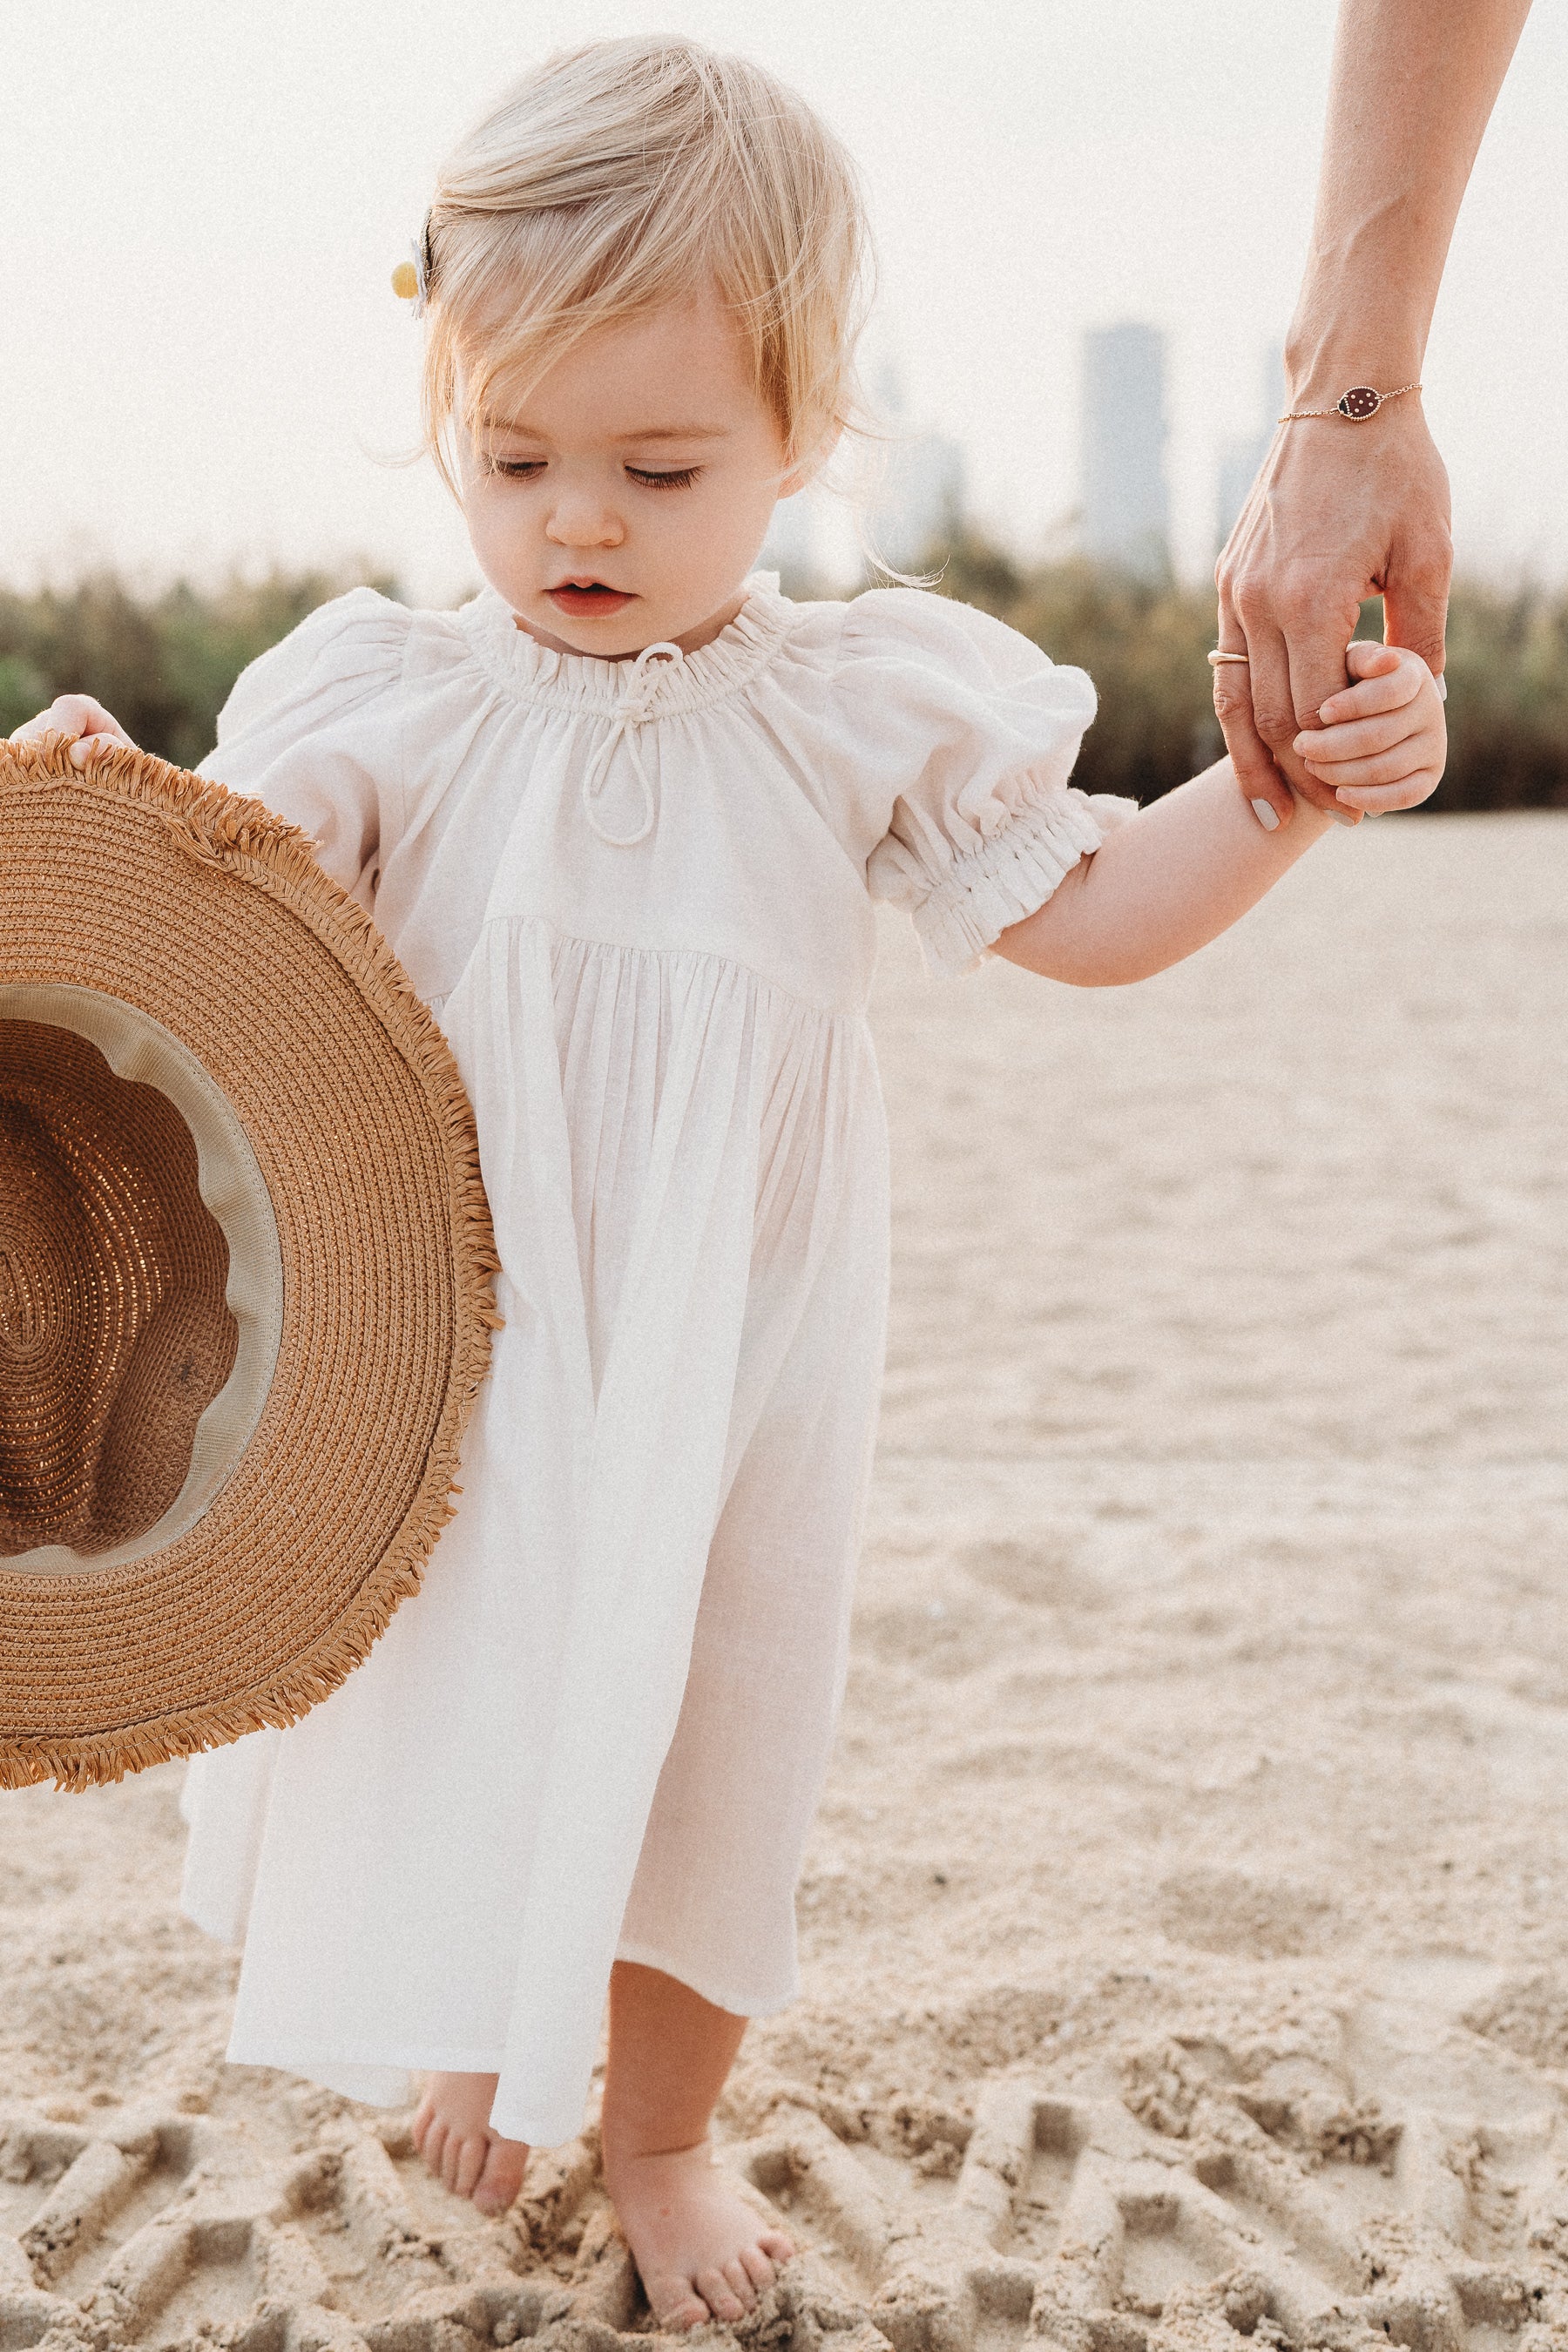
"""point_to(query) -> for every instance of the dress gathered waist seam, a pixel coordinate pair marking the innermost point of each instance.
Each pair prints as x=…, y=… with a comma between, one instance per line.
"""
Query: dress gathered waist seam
x=671, y=952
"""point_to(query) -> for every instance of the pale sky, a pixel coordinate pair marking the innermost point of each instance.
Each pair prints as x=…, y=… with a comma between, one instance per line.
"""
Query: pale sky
x=202, y=199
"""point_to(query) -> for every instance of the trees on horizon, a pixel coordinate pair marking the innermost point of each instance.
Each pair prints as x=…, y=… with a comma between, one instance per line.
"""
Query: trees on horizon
x=164, y=661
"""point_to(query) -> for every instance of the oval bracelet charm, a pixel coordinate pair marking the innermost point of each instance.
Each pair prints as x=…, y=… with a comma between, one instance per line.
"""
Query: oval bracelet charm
x=1358, y=403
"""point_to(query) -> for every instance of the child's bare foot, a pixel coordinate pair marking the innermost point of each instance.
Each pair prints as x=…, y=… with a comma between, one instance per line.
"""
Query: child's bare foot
x=452, y=2132
x=702, y=2251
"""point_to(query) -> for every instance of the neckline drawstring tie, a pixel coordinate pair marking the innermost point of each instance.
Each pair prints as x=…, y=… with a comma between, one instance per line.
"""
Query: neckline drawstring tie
x=634, y=708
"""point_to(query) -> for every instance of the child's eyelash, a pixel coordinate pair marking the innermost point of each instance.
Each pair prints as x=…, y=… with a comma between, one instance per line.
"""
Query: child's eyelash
x=523, y=469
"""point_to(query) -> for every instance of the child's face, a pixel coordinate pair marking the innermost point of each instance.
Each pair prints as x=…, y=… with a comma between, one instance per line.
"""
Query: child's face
x=625, y=500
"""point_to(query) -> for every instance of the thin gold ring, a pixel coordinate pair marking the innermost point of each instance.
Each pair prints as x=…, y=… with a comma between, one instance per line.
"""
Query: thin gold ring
x=1216, y=659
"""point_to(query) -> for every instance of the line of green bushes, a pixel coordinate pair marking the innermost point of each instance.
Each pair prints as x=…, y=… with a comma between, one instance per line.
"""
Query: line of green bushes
x=1144, y=644
x=163, y=663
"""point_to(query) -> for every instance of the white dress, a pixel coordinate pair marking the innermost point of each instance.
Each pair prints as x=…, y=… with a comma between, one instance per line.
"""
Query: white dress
x=638, y=898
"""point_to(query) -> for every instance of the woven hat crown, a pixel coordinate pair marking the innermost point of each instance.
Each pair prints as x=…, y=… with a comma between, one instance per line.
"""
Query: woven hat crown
x=115, y=1332
x=246, y=1270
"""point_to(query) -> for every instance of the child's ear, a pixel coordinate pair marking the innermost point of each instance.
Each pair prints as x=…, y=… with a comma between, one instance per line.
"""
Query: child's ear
x=806, y=469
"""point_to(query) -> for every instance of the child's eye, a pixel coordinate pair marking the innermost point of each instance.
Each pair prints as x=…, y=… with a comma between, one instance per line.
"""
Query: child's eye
x=518, y=469
x=680, y=480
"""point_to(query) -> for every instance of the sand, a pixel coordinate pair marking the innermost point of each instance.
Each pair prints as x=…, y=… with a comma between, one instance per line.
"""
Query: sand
x=1184, y=1933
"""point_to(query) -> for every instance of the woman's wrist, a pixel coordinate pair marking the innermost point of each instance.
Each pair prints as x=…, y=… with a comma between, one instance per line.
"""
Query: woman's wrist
x=1316, y=378
x=1328, y=349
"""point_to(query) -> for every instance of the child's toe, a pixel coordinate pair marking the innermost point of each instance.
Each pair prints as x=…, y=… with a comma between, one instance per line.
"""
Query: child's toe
x=741, y=2282
x=471, y=2155
x=721, y=2297
x=757, y=2267
x=501, y=2176
x=776, y=2246
x=684, y=2309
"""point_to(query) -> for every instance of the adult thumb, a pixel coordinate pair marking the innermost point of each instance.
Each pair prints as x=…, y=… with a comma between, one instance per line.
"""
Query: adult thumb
x=1416, y=613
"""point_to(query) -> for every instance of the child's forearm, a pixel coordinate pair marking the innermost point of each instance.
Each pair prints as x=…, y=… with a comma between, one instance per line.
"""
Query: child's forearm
x=1161, y=887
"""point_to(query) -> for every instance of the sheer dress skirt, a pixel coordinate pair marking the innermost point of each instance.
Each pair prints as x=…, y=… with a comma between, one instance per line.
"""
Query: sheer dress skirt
x=603, y=1726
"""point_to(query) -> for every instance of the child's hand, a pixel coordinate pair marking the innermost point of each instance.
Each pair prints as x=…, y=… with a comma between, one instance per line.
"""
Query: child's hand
x=1381, y=735
x=85, y=724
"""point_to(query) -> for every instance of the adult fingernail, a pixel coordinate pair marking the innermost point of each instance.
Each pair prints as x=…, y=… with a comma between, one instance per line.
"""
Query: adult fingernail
x=1268, y=815
x=1344, y=817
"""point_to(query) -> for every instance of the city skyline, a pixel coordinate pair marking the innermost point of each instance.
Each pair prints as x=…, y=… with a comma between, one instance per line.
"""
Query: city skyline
x=914, y=501
x=1243, y=453
x=207, y=366
x=1124, y=515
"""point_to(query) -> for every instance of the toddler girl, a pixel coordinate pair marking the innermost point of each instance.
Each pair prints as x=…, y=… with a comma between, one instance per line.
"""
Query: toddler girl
x=626, y=818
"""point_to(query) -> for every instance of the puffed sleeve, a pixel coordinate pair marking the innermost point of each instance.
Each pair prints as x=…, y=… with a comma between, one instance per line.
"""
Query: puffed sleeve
x=314, y=729
x=969, y=732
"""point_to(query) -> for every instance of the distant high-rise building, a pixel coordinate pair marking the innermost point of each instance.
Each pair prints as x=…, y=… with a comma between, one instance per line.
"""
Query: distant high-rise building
x=1126, y=511
x=918, y=504
x=914, y=512
x=1240, y=456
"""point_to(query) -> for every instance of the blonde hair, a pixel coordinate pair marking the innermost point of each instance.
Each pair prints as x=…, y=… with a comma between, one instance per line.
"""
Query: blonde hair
x=628, y=172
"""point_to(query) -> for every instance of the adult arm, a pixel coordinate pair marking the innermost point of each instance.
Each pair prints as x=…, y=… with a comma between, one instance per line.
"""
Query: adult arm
x=1342, y=511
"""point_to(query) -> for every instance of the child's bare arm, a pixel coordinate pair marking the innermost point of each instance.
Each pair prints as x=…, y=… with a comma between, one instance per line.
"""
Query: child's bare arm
x=1161, y=887
x=1191, y=865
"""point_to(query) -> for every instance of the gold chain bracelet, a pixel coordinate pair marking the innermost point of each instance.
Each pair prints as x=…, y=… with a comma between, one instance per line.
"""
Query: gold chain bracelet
x=1358, y=403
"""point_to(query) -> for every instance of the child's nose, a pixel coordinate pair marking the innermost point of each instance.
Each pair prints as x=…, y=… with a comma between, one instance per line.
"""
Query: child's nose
x=584, y=522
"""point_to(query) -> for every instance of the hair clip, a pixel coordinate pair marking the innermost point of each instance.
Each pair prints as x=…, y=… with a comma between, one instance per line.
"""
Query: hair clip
x=411, y=278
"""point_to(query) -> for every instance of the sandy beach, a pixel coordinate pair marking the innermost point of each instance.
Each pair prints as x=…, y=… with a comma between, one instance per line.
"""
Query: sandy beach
x=1184, y=1932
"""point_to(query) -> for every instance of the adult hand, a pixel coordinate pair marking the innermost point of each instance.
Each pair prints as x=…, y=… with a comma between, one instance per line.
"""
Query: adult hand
x=1340, y=511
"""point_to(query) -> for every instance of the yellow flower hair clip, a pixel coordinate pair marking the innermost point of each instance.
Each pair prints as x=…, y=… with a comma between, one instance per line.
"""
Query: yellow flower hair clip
x=411, y=278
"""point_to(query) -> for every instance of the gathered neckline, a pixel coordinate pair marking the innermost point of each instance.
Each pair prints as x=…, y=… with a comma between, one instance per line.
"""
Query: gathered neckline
x=588, y=682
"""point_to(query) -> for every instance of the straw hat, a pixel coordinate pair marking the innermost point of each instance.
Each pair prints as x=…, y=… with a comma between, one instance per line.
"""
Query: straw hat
x=245, y=1270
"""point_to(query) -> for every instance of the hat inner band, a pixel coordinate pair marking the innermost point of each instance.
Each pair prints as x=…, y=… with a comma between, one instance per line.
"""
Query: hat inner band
x=140, y=1051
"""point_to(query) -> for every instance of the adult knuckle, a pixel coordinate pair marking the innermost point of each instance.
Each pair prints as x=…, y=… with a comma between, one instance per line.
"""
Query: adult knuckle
x=1274, y=717
x=1253, y=593
x=1299, y=611
x=1432, y=558
x=1233, y=566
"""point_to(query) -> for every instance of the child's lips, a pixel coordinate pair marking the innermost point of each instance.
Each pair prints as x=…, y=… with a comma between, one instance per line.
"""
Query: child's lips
x=584, y=597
